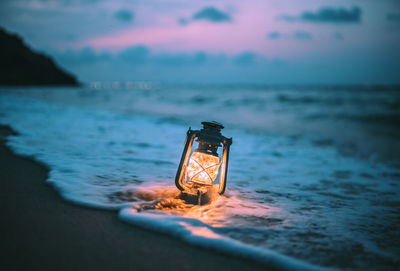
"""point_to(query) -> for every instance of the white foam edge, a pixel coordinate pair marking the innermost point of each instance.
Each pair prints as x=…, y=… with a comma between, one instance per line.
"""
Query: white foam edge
x=179, y=227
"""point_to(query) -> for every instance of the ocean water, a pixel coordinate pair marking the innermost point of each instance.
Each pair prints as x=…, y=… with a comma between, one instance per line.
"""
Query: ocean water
x=313, y=180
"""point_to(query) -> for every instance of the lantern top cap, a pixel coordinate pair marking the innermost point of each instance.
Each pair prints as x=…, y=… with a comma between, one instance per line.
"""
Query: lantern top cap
x=213, y=124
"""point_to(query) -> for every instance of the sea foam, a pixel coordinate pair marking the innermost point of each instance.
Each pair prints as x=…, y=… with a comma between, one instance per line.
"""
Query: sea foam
x=285, y=194
x=200, y=234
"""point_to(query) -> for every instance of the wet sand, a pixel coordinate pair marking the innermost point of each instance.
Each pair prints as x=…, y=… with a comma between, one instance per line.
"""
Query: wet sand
x=40, y=231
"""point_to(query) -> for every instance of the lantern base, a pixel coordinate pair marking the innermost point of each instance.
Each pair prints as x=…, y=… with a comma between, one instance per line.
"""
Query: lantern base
x=200, y=196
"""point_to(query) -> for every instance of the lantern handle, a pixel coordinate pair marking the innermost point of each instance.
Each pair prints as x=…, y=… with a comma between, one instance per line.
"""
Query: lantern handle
x=224, y=165
x=190, y=135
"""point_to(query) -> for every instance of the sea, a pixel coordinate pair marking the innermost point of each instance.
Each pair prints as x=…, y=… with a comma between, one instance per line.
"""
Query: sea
x=313, y=178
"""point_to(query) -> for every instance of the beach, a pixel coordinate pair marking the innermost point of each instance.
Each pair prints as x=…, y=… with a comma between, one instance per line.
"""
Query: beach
x=105, y=162
x=42, y=232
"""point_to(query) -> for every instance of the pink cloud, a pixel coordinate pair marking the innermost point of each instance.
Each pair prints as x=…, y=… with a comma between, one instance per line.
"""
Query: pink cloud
x=197, y=36
x=246, y=32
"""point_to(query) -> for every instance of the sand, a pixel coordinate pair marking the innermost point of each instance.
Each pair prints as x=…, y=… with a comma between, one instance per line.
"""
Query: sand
x=40, y=231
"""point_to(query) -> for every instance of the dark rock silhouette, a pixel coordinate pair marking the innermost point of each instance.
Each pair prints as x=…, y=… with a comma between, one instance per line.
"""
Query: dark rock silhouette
x=19, y=65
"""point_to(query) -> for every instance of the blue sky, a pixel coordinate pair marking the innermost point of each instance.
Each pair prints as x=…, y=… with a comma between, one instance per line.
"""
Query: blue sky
x=269, y=42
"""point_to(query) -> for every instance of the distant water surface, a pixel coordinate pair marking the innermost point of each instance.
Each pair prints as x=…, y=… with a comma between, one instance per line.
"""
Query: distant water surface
x=313, y=174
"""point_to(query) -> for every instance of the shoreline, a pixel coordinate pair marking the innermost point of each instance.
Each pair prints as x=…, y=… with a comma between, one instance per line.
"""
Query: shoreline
x=43, y=232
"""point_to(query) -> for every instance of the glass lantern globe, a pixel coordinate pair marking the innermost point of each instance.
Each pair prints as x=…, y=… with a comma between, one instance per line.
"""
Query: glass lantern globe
x=202, y=167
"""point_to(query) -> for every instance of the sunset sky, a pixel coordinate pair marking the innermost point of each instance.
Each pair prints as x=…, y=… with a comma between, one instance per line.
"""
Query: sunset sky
x=180, y=41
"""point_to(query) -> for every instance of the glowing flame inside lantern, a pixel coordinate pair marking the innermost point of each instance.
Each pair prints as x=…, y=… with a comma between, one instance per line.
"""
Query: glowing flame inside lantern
x=203, y=168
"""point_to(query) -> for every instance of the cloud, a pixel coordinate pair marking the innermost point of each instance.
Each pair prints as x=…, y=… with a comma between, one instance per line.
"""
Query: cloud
x=274, y=35
x=393, y=17
x=296, y=35
x=86, y=55
x=180, y=59
x=139, y=56
x=337, y=35
x=183, y=21
x=302, y=35
x=245, y=58
x=124, y=15
x=328, y=15
x=211, y=14
x=135, y=55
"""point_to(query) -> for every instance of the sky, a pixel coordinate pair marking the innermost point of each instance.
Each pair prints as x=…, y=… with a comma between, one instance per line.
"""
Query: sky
x=179, y=41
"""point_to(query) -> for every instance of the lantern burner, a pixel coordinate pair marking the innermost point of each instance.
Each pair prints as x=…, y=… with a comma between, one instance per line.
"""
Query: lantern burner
x=197, y=196
x=207, y=149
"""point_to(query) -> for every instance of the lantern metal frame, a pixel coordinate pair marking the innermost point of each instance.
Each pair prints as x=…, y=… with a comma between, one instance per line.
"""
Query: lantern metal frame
x=209, y=138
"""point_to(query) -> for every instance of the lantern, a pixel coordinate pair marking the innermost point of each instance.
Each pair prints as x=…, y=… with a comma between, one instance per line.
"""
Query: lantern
x=198, y=170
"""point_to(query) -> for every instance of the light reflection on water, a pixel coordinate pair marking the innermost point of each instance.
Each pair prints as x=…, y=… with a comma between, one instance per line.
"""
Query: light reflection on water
x=200, y=231
x=223, y=210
